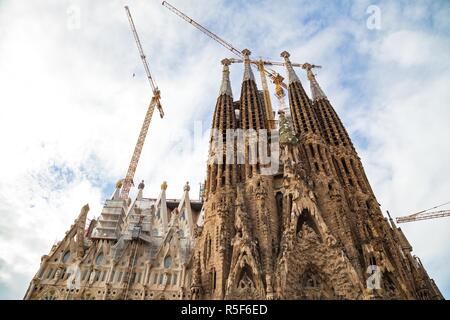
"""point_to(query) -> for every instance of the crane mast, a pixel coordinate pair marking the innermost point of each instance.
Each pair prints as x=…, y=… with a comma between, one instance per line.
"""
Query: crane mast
x=266, y=96
x=127, y=182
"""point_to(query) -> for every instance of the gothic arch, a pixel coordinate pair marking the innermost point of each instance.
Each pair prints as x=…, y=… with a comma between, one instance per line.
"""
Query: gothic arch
x=390, y=286
x=88, y=296
x=305, y=218
x=316, y=270
x=208, y=249
x=314, y=284
x=51, y=294
x=424, y=294
x=244, y=281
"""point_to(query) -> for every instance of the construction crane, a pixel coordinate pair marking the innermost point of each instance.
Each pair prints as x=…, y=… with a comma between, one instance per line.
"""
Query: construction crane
x=276, y=78
x=126, y=183
x=425, y=215
x=259, y=63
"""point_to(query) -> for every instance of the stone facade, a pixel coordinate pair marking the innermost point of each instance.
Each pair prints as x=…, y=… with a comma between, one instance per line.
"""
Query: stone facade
x=312, y=230
x=136, y=250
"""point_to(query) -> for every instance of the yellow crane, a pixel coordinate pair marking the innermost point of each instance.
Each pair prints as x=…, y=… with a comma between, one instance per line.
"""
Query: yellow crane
x=155, y=102
x=425, y=215
x=259, y=63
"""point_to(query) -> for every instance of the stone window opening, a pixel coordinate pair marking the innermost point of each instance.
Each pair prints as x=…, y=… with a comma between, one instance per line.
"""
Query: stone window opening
x=388, y=284
x=368, y=230
x=337, y=169
x=246, y=279
x=290, y=203
x=99, y=259
x=50, y=273
x=213, y=279
x=279, y=203
x=305, y=218
x=312, y=150
x=311, y=281
x=50, y=295
x=344, y=164
x=424, y=294
x=174, y=279
x=167, y=262
x=319, y=151
x=63, y=274
x=66, y=257
x=350, y=181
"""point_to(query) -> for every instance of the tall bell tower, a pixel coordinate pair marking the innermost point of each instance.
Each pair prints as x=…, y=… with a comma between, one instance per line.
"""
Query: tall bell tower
x=311, y=230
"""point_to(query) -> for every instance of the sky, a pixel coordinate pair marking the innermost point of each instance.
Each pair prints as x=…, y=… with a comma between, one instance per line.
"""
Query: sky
x=71, y=109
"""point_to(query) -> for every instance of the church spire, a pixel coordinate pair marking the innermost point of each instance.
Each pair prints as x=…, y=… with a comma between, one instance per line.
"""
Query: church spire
x=161, y=206
x=184, y=208
x=219, y=173
x=252, y=116
x=225, y=87
x=316, y=91
x=292, y=76
x=116, y=193
x=80, y=225
x=252, y=111
x=303, y=116
x=248, y=73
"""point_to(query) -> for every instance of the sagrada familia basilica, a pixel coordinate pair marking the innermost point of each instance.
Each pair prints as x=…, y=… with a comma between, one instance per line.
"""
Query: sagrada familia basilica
x=312, y=229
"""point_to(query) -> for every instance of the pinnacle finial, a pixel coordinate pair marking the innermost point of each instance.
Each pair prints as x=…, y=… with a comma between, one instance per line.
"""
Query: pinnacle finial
x=226, y=62
x=292, y=76
x=186, y=186
x=246, y=53
x=164, y=185
x=141, y=185
x=119, y=184
x=225, y=87
x=285, y=54
x=316, y=91
x=248, y=73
